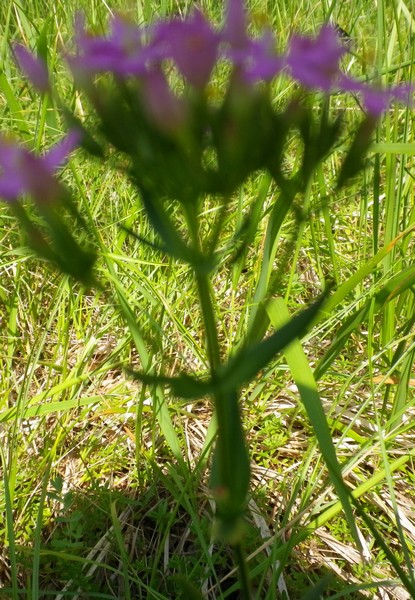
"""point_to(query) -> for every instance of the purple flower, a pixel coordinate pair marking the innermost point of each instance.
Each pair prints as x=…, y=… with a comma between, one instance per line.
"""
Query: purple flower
x=376, y=99
x=315, y=62
x=24, y=173
x=192, y=44
x=255, y=59
x=33, y=67
x=122, y=52
x=261, y=62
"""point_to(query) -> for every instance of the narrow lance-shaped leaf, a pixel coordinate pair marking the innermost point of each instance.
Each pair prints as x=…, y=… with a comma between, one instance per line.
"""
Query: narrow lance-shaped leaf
x=354, y=161
x=304, y=379
x=246, y=363
x=367, y=269
x=182, y=386
x=401, y=396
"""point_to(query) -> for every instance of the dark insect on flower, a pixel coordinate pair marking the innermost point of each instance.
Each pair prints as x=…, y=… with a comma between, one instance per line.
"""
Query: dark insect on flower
x=345, y=37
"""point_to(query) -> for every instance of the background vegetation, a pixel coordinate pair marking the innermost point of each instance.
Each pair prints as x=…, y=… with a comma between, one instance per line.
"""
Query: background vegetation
x=104, y=489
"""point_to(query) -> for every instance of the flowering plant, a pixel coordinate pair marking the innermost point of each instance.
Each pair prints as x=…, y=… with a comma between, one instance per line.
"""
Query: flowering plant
x=154, y=116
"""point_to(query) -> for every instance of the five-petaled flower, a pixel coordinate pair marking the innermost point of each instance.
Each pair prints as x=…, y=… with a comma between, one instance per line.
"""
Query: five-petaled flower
x=314, y=62
x=122, y=52
x=193, y=45
x=255, y=59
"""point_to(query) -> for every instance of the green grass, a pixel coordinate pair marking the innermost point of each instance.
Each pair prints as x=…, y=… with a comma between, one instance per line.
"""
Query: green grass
x=105, y=490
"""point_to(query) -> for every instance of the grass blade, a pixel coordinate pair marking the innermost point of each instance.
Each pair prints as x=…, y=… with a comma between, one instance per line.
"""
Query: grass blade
x=304, y=379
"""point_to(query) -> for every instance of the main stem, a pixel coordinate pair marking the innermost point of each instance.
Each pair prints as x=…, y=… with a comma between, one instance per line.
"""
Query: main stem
x=225, y=404
x=224, y=453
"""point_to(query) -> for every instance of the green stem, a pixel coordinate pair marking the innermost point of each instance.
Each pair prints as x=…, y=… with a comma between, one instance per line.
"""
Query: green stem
x=205, y=293
x=213, y=351
x=206, y=304
x=232, y=478
x=242, y=572
x=230, y=439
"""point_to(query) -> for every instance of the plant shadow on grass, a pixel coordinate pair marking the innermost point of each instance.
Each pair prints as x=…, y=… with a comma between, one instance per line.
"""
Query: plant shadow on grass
x=133, y=544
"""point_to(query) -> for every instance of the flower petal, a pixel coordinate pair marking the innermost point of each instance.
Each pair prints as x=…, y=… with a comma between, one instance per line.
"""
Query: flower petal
x=24, y=173
x=33, y=67
x=58, y=154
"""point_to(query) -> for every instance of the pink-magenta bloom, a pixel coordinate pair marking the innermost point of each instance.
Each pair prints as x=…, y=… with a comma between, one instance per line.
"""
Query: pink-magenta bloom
x=314, y=62
x=376, y=99
x=261, y=61
x=255, y=59
x=193, y=45
x=24, y=173
x=33, y=67
x=121, y=53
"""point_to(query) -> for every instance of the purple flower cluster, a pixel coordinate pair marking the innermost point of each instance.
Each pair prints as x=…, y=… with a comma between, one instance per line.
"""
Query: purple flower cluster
x=194, y=46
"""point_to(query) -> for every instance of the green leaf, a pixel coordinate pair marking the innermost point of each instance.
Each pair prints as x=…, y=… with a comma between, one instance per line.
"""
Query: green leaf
x=42, y=44
x=247, y=363
x=401, y=397
x=367, y=269
x=307, y=387
x=182, y=386
x=279, y=211
x=351, y=324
